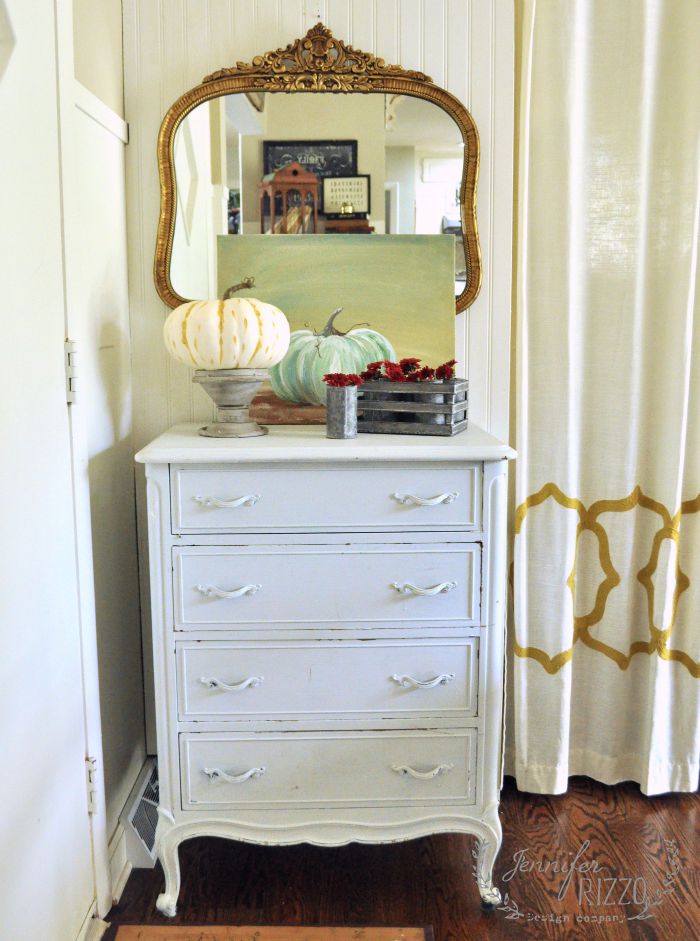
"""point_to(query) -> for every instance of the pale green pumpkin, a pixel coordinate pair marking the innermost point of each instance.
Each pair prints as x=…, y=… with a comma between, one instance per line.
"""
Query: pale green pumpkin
x=299, y=376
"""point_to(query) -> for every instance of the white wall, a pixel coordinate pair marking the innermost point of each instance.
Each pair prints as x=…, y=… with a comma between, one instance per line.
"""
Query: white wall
x=401, y=169
x=97, y=45
x=435, y=199
x=465, y=45
x=98, y=321
x=193, y=240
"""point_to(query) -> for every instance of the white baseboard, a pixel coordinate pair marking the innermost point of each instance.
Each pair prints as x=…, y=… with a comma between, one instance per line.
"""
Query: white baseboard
x=93, y=928
x=119, y=864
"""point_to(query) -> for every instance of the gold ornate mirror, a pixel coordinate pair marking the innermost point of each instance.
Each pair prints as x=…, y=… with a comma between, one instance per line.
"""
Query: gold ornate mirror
x=400, y=158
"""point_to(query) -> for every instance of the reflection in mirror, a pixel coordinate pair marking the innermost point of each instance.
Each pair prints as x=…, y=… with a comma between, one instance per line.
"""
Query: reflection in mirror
x=305, y=163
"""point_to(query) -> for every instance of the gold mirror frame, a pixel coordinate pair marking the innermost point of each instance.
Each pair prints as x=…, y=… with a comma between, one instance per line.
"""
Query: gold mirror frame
x=316, y=63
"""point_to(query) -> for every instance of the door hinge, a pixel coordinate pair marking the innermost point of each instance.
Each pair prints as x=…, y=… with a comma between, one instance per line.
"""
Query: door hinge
x=91, y=781
x=70, y=356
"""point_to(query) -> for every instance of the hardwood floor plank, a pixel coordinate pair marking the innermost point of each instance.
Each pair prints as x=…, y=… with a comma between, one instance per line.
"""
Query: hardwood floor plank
x=430, y=881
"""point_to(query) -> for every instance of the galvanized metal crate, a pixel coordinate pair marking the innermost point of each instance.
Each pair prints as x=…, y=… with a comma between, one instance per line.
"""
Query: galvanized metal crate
x=413, y=408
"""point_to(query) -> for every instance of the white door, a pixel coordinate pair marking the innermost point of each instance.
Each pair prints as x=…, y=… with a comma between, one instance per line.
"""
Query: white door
x=46, y=877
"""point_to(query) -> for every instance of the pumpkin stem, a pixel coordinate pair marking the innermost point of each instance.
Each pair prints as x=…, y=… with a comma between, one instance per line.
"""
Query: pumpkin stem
x=245, y=283
x=330, y=330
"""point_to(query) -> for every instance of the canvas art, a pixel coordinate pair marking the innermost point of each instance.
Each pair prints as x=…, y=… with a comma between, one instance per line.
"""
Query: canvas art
x=396, y=293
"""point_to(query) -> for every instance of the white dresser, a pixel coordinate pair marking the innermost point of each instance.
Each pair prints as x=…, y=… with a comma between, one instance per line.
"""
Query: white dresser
x=328, y=631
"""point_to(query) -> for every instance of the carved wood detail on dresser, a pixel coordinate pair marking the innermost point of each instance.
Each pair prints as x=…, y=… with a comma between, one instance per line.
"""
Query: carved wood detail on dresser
x=328, y=631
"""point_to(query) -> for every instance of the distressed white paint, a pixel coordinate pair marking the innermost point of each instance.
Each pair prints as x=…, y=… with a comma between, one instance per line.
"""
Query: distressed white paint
x=325, y=706
x=272, y=576
x=197, y=497
x=309, y=445
x=225, y=679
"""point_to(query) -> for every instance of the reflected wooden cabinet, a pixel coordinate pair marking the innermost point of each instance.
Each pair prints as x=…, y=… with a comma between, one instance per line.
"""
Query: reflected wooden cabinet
x=328, y=627
x=349, y=226
x=291, y=192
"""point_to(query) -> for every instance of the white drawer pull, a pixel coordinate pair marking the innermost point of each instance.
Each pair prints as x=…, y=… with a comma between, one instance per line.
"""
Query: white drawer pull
x=249, y=500
x=422, y=775
x=407, y=588
x=217, y=774
x=407, y=498
x=442, y=680
x=212, y=591
x=212, y=683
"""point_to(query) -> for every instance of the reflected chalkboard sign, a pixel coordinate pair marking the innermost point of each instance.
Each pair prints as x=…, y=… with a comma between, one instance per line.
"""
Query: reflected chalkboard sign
x=325, y=158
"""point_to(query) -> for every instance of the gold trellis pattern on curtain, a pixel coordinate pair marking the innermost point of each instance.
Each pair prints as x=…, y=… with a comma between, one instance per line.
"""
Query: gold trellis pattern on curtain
x=659, y=637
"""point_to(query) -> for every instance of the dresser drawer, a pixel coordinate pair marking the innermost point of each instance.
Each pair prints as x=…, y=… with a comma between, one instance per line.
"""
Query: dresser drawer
x=221, y=587
x=294, y=499
x=322, y=768
x=219, y=680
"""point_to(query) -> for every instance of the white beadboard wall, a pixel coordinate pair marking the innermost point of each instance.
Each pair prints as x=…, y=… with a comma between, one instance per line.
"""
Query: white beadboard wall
x=464, y=45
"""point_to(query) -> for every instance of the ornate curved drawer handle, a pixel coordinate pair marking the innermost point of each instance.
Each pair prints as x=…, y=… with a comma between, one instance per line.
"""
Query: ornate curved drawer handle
x=422, y=775
x=212, y=591
x=218, y=774
x=212, y=683
x=407, y=588
x=442, y=680
x=249, y=500
x=407, y=498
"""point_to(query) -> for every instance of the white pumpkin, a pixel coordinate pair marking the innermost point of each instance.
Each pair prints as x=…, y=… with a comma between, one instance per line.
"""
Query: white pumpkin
x=240, y=333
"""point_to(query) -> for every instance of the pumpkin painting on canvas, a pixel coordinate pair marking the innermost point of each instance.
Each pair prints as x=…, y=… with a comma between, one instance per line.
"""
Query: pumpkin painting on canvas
x=350, y=300
x=312, y=354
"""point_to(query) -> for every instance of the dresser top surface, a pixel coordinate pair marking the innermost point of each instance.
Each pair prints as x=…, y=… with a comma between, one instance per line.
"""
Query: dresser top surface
x=183, y=444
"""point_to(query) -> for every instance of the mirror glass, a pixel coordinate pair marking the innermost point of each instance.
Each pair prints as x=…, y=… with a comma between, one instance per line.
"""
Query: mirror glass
x=281, y=164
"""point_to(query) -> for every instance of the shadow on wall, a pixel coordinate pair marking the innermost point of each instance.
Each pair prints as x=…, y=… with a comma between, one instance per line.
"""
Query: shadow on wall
x=115, y=557
x=7, y=38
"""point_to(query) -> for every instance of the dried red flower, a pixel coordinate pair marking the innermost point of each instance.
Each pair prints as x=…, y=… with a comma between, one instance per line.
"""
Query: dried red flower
x=446, y=370
x=407, y=369
x=341, y=379
x=394, y=373
x=409, y=364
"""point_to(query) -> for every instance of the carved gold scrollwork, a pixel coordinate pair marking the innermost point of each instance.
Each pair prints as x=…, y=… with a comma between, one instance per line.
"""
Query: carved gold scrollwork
x=318, y=62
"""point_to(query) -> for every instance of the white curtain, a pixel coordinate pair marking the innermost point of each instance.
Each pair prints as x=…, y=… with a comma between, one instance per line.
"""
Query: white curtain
x=605, y=673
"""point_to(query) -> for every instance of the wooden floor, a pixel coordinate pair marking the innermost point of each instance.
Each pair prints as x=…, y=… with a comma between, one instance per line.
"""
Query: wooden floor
x=639, y=847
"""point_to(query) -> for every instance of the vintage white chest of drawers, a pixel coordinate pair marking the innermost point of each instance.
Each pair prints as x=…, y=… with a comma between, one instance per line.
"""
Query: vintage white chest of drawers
x=328, y=630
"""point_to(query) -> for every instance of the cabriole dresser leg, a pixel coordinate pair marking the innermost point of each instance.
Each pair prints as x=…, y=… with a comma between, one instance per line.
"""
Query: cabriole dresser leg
x=487, y=849
x=166, y=902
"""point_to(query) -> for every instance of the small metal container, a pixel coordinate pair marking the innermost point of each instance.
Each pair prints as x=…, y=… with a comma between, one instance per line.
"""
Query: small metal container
x=341, y=412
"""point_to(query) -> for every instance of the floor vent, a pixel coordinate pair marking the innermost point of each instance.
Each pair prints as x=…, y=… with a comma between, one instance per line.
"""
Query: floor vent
x=140, y=818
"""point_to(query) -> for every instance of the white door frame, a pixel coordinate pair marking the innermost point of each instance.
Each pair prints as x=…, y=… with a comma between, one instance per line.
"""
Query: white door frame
x=393, y=189
x=80, y=481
